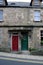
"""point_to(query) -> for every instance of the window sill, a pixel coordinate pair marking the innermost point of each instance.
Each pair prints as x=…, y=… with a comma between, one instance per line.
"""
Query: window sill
x=38, y=21
x=1, y=21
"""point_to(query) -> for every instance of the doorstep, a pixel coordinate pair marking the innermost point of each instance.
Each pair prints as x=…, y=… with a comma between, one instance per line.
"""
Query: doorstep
x=21, y=52
x=26, y=52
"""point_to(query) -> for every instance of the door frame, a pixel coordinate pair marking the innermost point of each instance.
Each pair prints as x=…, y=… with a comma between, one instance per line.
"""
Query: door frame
x=11, y=40
x=19, y=42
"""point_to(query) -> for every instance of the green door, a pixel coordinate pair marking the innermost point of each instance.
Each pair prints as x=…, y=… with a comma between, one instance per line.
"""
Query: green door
x=24, y=42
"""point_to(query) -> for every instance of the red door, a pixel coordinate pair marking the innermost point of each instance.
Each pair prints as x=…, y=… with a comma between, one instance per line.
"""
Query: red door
x=15, y=43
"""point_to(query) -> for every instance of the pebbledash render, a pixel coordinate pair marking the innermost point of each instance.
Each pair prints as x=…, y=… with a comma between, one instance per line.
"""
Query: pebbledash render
x=21, y=27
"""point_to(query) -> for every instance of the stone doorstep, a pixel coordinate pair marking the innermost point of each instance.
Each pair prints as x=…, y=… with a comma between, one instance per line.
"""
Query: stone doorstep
x=21, y=52
x=26, y=52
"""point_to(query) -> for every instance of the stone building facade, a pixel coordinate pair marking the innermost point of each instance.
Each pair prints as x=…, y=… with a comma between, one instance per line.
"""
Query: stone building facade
x=21, y=28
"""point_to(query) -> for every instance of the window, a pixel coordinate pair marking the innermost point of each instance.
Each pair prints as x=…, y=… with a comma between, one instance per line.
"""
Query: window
x=1, y=15
x=36, y=2
x=42, y=37
x=1, y=2
x=37, y=15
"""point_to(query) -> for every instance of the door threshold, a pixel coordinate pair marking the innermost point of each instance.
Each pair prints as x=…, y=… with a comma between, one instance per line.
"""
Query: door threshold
x=25, y=52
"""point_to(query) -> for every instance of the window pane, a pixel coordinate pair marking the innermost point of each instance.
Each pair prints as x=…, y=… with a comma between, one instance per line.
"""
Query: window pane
x=36, y=15
x=1, y=2
x=36, y=2
x=1, y=15
x=36, y=18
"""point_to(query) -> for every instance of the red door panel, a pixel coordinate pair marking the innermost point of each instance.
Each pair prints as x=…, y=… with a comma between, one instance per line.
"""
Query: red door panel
x=15, y=43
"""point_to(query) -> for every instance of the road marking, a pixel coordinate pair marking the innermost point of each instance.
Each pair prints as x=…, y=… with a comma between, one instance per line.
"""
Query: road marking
x=19, y=60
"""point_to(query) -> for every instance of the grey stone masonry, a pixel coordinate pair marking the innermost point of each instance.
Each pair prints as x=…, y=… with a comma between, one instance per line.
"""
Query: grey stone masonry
x=20, y=16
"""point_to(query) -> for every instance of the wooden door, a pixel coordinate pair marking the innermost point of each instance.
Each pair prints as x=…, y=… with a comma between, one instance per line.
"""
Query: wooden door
x=24, y=42
x=15, y=43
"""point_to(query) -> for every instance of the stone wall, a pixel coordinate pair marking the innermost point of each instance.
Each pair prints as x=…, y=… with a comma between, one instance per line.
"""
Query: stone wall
x=16, y=16
x=35, y=39
x=20, y=16
x=3, y=37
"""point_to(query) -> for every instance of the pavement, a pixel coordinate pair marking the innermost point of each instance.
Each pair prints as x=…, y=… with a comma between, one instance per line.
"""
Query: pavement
x=21, y=56
x=12, y=57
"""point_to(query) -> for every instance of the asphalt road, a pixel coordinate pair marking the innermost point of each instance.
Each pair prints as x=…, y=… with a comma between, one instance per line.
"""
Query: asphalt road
x=11, y=62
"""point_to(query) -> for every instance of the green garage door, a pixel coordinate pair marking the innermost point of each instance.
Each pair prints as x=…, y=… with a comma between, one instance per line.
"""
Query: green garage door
x=24, y=42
